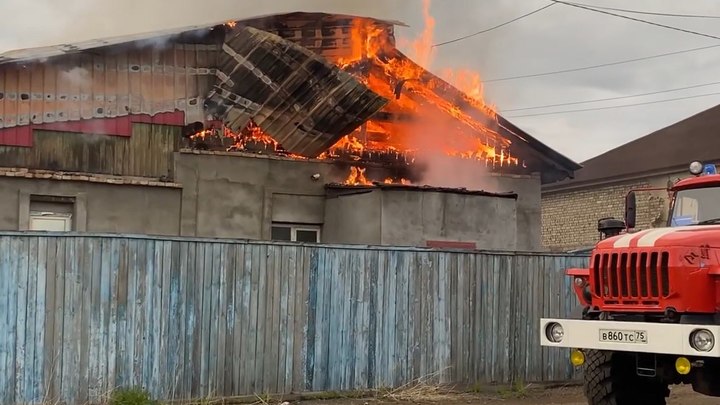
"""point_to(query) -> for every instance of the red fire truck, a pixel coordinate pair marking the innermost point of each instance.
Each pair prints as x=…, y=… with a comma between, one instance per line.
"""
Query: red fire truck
x=650, y=301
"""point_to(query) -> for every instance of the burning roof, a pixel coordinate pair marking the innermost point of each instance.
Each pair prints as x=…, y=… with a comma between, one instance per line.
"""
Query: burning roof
x=306, y=102
x=315, y=86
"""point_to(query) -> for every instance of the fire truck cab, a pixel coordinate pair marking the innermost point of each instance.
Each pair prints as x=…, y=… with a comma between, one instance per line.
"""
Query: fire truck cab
x=650, y=301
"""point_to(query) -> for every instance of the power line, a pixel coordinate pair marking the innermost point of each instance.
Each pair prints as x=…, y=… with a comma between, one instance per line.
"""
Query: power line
x=613, y=98
x=636, y=19
x=622, y=10
x=615, y=106
x=495, y=27
x=601, y=65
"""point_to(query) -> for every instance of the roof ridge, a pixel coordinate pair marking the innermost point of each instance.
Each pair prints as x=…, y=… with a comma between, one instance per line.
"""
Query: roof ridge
x=650, y=135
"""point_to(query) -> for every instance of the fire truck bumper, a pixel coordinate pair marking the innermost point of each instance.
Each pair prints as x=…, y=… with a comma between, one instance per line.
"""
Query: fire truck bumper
x=659, y=338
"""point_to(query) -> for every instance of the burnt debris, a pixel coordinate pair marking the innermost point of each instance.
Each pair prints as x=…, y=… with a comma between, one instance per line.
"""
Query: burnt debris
x=303, y=100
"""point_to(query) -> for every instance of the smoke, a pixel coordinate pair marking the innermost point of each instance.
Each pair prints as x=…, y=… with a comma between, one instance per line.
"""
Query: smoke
x=77, y=76
x=50, y=22
x=433, y=135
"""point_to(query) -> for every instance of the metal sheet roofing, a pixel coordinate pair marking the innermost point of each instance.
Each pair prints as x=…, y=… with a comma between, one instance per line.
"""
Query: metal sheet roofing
x=667, y=150
x=429, y=189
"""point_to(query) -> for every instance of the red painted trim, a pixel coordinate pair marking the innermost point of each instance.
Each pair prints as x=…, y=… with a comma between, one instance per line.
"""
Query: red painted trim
x=578, y=272
x=437, y=244
x=119, y=126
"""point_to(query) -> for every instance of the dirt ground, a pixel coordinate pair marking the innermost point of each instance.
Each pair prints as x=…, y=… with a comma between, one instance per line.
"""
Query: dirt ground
x=564, y=396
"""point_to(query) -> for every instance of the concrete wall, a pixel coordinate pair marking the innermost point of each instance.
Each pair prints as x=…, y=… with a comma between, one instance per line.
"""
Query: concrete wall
x=98, y=207
x=529, y=211
x=231, y=196
x=226, y=195
x=569, y=217
x=412, y=218
x=354, y=218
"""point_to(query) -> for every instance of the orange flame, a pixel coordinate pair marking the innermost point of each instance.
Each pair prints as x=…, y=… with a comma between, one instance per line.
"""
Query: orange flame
x=467, y=127
x=414, y=92
x=404, y=182
x=357, y=177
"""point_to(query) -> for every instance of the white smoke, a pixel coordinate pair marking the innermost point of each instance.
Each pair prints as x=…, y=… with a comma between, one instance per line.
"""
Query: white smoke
x=77, y=76
x=50, y=22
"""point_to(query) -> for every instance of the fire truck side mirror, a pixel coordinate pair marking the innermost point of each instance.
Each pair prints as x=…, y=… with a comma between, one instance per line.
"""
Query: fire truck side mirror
x=630, y=210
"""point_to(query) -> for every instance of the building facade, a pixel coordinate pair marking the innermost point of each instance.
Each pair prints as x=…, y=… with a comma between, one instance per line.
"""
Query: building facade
x=571, y=208
x=169, y=136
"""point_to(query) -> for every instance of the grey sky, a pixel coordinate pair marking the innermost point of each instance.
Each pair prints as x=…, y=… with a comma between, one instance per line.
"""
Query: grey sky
x=559, y=37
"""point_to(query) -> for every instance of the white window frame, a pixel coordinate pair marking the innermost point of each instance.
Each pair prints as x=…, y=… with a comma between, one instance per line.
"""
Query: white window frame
x=295, y=228
x=65, y=219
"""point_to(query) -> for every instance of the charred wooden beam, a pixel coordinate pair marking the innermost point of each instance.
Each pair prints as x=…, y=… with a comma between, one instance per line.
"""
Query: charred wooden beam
x=303, y=100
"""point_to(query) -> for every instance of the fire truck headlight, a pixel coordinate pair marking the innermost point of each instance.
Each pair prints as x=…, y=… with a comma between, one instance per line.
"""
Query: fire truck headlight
x=702, y=340
x=554, y=332
x=696, y=168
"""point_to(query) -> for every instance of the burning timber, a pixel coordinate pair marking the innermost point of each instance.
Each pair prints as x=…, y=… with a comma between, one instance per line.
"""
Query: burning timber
x=381, y=123
x=299, y=86
x=304, y=101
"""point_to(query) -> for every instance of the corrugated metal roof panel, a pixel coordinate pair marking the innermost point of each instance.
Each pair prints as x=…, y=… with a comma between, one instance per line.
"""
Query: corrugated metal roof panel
x=430, y=189
x=109, y=84
x=303, y=101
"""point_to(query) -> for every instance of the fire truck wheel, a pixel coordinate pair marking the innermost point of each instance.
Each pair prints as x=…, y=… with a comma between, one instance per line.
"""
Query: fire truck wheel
x=610, y=379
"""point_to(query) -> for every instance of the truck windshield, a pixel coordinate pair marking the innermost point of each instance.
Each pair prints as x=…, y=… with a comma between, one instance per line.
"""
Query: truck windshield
x=698, y=206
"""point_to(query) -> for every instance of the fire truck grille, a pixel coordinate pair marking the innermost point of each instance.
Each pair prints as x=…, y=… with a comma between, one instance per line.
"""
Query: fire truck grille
x=632, y=278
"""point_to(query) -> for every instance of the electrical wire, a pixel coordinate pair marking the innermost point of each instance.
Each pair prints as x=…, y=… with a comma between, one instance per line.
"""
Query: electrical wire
x=615, y=106
x=613, y=98
x=601, y=65
x=622, y=10
x=495, y=27
x=636, y=19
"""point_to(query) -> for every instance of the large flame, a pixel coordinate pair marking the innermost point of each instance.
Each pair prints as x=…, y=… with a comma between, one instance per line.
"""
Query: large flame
x=415, y=93
x=424, y=117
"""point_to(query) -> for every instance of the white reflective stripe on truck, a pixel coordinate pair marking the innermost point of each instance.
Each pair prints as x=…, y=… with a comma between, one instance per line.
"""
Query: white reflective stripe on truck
x=644, y=337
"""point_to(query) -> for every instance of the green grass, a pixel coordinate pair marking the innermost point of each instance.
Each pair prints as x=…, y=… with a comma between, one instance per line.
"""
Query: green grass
x=131, y=396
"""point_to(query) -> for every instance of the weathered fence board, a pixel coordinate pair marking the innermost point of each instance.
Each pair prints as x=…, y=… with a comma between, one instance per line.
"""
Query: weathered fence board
x=83, y=314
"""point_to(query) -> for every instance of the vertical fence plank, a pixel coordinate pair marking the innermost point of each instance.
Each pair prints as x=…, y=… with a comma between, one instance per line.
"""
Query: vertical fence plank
x=6, y=382
x=362, y=323
x=87, y=313
x=181, y=277
x=216, y=296
x=27, y=254
x=272, y=320
x=117, y=285
x=300, y=324
x=286, y=312
x=227, y=319
x=20, y=263
x=242, y=308
x=38, y=381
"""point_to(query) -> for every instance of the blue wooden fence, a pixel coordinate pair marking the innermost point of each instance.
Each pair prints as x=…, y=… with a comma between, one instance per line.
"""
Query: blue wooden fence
x=81, y=315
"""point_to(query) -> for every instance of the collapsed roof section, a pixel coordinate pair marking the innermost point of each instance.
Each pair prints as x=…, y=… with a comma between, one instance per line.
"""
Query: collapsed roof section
x=305, y=102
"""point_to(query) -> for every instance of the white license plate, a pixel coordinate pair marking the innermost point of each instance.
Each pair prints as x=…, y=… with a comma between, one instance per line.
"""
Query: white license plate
x=623, y=336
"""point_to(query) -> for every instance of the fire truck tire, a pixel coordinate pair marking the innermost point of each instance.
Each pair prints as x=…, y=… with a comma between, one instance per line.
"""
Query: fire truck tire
x=610, y=379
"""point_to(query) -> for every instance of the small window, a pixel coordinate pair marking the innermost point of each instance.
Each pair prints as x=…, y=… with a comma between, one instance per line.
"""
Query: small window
x=51, y=214
x=281, y=233
x=296, y=233
x=51, y=223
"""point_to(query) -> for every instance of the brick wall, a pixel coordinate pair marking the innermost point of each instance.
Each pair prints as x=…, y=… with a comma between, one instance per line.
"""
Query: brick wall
x=569, y=218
